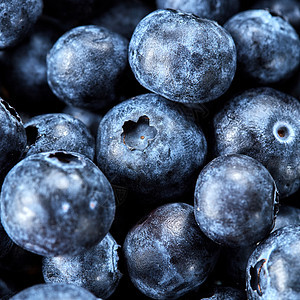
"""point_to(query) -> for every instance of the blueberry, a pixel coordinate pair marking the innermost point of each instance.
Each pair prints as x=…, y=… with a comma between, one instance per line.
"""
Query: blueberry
x=182, y=57
x=268, y=47
x=12, y=138
x=263, y=123
x=166, y=253
x=56, y=203
x=147, y=144
x=273, y=269
x=84, y=66
x=17, y=19
x=74, y=63
x=26, y=70
x=95, y=269
x=235, y=200
x=289, y=9
x=218, y=10
x=58, y=132
x=54, y=291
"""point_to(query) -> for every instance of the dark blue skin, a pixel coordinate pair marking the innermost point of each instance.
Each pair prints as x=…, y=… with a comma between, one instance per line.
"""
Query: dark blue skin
x=166, y=253
x=12, y=138
x=123, y=16
x=26, y=70
x=236, y=259
x=289, y=9
x=273, y=269
x=85, y=65
x=263, y=123
x=182, y=57
x=235, y=200
x=95, y=269
x=58, y=132
x=268, y=47
x=56, y=203
x=54, y=291
x=227, y=293
x=147, y=144
x=17, y=19
x=89, y=118
x=219, y=10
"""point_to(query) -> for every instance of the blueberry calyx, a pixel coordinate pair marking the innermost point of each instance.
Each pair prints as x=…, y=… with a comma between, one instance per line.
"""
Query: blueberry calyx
x=283, y=132
x=137, y=135
x=63, y=157
x=255, y=276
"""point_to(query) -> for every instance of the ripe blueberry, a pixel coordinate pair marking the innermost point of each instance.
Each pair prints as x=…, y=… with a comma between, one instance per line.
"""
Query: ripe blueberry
x=235, y=200
x=182, y=57
x=150, y=146
x=85, y=64
x=268, y=47
x=263, y=123
x=94, y=269
x=56, y=203
x=166, y=253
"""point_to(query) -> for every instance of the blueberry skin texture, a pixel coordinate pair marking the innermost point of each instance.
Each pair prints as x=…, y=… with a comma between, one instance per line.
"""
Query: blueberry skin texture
x=54, y=291
x=182, y=57
x=56, y=203
x=95, y=269
x=12, y=138
x=273, y=269
x=268, y=47
x=148, y=145
x=26, y=70
x=17, y=19
x=219, y=10
x=263, y=123
x=84, y=66
x=58, y=132
x=289, y=9
x=166, y=253
x=235, y=200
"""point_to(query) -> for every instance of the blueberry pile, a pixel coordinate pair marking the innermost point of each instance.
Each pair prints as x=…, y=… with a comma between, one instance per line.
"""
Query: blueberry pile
x=149, y=149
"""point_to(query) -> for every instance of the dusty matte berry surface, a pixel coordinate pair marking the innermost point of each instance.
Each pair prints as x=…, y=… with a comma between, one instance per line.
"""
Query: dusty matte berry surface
x=149, y=149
